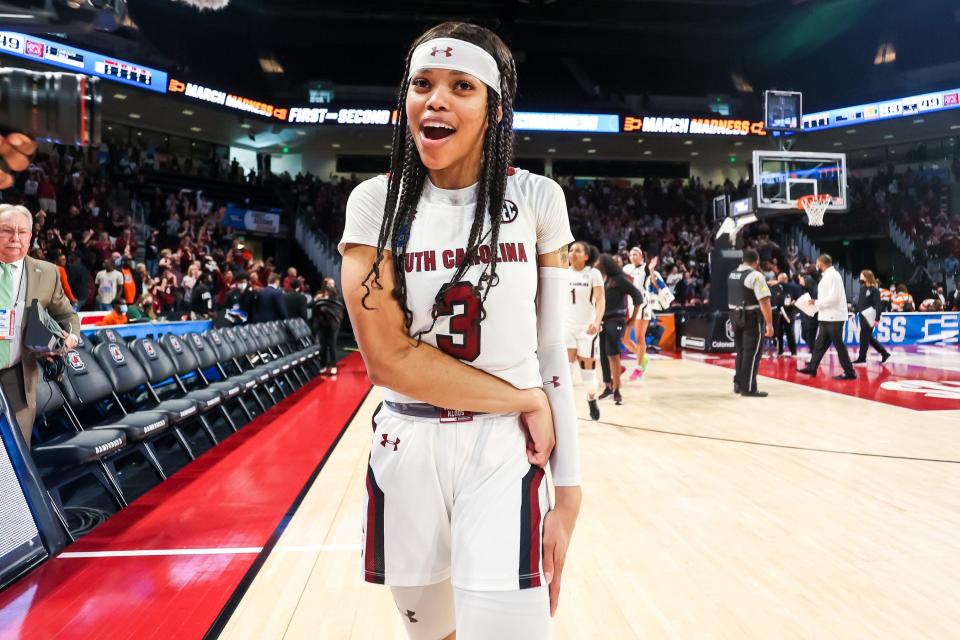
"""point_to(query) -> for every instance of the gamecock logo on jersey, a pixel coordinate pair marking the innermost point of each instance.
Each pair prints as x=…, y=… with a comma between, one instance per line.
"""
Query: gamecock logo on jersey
x=509, y=212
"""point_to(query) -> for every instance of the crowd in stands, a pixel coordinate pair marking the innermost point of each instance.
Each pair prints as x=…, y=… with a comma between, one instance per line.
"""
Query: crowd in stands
x=190, y=265
x=912, y=199
x=191, y=262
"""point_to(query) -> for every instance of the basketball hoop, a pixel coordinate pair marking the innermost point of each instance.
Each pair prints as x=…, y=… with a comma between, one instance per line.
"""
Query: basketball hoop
x=815, y=206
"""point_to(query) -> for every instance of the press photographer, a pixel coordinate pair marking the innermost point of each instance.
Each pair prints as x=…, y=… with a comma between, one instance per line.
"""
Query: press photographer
x=22, y=280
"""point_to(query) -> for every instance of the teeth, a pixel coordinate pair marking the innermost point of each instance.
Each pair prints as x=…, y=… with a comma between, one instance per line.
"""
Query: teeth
x=439, y=125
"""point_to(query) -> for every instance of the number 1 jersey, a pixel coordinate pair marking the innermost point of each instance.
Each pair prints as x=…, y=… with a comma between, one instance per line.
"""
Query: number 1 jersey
x=534, y=221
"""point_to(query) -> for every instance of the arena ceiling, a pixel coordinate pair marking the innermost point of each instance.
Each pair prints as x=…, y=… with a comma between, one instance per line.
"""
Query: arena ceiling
x=597, y=55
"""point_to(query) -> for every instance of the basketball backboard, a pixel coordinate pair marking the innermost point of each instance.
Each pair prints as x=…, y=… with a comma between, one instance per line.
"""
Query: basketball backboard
x=782, y=177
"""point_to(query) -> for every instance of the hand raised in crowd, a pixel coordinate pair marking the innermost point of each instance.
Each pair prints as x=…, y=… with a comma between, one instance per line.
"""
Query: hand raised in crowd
x=15, y=149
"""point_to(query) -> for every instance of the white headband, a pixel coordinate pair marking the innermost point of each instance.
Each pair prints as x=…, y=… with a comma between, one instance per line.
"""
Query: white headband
x=456, y=55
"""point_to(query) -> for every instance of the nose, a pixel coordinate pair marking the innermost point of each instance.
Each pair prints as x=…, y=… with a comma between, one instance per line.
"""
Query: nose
x=438, y=100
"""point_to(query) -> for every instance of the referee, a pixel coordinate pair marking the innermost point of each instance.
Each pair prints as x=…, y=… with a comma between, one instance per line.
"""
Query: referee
x=748, y=297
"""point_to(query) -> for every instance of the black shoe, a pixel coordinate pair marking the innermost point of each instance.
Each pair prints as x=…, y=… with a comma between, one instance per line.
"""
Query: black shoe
x=859, y=361
x=736, y=387
x=617, y=398
x=885, y=357
x=846, y=376
x=594, y=410
x=808, y=371
x=606, y=393
x=754, y=394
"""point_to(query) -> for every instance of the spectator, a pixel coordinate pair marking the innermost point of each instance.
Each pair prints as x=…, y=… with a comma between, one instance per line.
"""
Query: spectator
x=270, y=303
x=117, y=315
x=109, y=283
x=886, y=298
x=295, y=300
x=132, y=283
x=328, y=314
x=201, y=300
x=78, y=277
x=902, y=300
x=291, y=276
x=65, y=281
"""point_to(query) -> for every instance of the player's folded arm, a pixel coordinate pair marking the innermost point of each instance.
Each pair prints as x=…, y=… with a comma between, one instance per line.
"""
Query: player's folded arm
x=377, y=318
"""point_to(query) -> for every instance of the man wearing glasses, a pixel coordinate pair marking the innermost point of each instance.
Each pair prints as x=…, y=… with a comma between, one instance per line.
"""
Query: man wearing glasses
x=22, y=279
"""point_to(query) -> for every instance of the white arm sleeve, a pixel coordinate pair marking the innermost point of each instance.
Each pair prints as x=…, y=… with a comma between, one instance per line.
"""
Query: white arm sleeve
x=555, y=372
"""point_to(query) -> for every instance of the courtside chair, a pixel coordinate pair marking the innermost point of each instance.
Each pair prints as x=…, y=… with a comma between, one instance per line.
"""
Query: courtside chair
x=133, y=392
x=167, y=387
x=92, y=403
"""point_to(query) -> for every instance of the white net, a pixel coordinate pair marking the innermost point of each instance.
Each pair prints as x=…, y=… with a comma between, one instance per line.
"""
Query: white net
x=815, y=207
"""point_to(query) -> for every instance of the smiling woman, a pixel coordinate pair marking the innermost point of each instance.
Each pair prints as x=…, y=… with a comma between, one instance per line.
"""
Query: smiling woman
x=459, y=325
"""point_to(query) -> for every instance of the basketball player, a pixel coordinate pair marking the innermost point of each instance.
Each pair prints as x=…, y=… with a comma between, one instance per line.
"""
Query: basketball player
x=584, y=317
x=649, y=282
x=455, y=275
x=617, y=288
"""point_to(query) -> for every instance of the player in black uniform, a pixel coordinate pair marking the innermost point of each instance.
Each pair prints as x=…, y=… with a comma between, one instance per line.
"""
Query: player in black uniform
x=617, y=287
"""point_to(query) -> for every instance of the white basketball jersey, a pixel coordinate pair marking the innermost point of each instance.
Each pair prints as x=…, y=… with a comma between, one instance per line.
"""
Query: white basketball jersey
x=534, y=221
x=581, y=307
x=638, y=277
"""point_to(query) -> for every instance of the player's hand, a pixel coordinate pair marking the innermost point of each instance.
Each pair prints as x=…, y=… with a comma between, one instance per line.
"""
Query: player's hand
x=557, y=530
x=16, y=150
x=768, y=331
x=593, y=329
x=541, y=436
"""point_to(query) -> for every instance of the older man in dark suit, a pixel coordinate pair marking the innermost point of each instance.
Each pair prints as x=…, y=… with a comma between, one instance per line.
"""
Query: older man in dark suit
x=23, y=279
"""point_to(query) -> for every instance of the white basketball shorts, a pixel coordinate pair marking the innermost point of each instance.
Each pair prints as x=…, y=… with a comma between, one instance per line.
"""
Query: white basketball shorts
x=455, y=500
x=587, y=346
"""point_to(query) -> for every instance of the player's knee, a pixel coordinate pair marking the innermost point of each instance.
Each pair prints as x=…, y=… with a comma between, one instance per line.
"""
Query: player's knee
x=486, y=615
x=427, y=612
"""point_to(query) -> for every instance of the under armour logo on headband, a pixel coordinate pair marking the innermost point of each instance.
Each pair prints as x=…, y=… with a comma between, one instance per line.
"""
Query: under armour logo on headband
x=438, y=54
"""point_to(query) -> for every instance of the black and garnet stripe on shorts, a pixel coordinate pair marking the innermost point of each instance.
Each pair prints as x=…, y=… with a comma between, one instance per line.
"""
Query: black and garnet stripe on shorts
x=529, y=569
x=373, y=562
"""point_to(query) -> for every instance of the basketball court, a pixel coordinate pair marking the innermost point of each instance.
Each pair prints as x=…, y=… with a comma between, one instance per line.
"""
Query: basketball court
x=825, y=510
x=828, y=509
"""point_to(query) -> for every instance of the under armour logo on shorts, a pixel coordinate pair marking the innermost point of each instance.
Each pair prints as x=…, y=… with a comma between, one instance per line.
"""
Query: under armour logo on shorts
x=386, y=441
x=555, y=382
x=409, y=614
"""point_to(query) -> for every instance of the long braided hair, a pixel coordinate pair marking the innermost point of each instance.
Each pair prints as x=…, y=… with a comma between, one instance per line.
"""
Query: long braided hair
x=408, y=174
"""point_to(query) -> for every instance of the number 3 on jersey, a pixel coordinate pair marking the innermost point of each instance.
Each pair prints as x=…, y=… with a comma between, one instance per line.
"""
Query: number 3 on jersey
x=464, y=322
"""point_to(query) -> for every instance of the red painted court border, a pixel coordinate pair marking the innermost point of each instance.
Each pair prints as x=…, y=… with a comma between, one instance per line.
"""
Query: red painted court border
x=238, y=494
x=869, y=382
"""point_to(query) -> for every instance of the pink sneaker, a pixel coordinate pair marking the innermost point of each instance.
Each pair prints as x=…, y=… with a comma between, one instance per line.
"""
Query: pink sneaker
x=636, y=375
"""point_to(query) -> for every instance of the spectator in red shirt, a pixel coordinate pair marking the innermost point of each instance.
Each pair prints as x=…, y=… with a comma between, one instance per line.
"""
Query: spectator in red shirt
x=291, y=276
